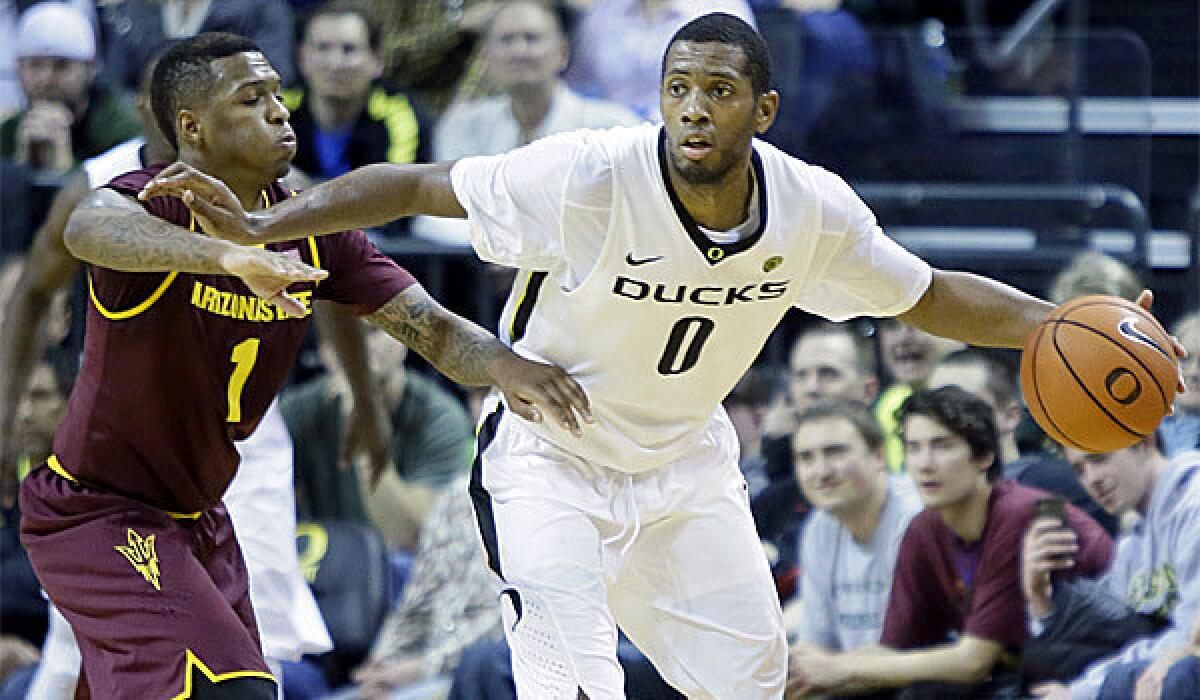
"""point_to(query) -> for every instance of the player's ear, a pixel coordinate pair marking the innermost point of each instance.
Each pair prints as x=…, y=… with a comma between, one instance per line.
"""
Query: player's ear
x=187, y=128
x=766, y=110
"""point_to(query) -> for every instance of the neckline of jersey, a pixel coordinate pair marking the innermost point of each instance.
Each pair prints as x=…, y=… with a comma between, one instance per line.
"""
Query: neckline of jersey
x=711, y=250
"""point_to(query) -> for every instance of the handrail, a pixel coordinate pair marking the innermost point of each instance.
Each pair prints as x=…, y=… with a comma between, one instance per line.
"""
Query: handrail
x=1090, y=197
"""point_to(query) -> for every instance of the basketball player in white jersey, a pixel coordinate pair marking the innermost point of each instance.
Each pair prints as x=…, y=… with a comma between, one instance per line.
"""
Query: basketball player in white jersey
x=260, y=499
x=656, y=261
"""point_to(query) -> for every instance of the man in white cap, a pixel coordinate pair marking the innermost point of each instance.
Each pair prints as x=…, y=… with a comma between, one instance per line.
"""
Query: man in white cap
x=69, y=115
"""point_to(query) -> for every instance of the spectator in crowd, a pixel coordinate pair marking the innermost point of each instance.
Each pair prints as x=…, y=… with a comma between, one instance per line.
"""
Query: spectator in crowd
x=11, y=98
x=341, y=117
x=956, y=613
x=908, y=355
x=1094, y=272
x=983, y=373
x=69, y=115
x=827, y=360
x=619, y=47
x=1181, y=429
x=431, y=445
x=138, y=30
x=1156, y=571
x=860, y=515
x=526, y=50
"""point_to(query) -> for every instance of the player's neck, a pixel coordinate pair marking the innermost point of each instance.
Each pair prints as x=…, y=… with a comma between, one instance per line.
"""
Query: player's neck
x=246, y=186
x=721, y=205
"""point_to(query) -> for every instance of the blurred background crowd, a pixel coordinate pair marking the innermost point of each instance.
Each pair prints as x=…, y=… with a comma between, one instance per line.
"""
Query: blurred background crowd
x=1054, y=144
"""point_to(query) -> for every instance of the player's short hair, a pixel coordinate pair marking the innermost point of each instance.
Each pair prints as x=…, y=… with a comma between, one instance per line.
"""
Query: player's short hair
x=1001, y=378
x=962, y=413
x=358, y=8
x=856, y=413
x=724, y=28
x=184, y=75
x=865, y=355
x=1094, y=272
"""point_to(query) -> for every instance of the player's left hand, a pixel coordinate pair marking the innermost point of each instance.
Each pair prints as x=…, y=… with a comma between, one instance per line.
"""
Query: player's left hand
x=268, y=275
x=1051, y=691
x=214, y=205
x=1146, y=300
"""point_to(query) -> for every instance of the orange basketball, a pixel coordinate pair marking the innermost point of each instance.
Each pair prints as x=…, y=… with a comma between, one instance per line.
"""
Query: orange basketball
x=1099, y=373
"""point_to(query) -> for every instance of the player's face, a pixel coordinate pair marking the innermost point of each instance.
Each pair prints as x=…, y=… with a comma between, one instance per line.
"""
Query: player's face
x=710, y=110
x=525, y=47
x=834, y=466
x=336, y=59
x=823, y=365
x=940, y=463
x=245, y=124
x=1118, y=481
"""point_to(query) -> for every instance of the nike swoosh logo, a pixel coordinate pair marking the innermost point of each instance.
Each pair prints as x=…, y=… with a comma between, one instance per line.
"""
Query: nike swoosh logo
x=633, y=262
x=1127, y=329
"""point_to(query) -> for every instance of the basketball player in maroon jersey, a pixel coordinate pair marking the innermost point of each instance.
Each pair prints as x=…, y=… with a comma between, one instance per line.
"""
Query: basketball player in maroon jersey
x=188, y=340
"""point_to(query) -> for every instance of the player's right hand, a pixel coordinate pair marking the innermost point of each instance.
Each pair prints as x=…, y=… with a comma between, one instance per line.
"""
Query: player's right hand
x=269, y=274
x=211, y=201
x=532, y=389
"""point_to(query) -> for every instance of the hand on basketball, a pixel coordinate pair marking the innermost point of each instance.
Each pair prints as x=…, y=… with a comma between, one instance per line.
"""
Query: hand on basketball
x=269, y=274
x=532, y=388
x=1146, y=300
x=1048, y=547
x=211, y=201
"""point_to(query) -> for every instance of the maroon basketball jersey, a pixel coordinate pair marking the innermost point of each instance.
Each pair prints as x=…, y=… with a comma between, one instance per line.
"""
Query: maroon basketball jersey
x=177, y=366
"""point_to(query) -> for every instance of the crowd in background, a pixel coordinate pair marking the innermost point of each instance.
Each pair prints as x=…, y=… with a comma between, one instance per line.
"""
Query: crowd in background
x=863, y=466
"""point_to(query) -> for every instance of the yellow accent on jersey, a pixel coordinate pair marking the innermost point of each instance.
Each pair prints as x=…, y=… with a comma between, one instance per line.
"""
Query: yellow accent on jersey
x=512, y=327
x=316, y=257
x=57, y=467
x=129, y=313
x=194, y=662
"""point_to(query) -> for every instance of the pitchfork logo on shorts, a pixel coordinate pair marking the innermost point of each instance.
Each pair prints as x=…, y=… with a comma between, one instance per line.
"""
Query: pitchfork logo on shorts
x=141, y=554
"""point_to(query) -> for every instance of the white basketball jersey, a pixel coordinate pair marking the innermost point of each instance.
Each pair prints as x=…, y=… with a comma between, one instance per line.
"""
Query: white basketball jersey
x=657, y=322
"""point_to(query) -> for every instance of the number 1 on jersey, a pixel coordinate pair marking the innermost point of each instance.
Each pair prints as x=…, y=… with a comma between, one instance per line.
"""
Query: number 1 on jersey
x=243, y=357
x=670, y=363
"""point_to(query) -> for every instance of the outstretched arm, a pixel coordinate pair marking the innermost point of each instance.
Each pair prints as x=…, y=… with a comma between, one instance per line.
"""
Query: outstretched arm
x=369, y=196
x=976, y=310
x=471, y=356
x=111, y=230
x=47, y=270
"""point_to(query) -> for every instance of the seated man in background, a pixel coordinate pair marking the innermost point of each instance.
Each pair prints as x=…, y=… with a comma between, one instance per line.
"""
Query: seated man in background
x=956, y=613
x=1181, y=430
x=1156, y=571
x=982, y=373
x=70, y=116
x=341, y=117
x=853, y=536
x=431, y=445
x=526, y=51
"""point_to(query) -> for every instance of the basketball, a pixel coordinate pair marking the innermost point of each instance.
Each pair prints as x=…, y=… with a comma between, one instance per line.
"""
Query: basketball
x=1099, y=373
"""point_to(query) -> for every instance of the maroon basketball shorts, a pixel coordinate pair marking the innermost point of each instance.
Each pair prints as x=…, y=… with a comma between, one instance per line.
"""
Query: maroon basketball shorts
x=158, y=603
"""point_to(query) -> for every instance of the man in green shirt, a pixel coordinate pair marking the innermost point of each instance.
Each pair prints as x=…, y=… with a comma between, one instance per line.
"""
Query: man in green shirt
x=431, y=445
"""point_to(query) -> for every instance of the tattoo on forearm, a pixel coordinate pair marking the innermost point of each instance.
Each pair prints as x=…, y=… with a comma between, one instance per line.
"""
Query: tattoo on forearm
x=456, y=347
x=134, y=242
